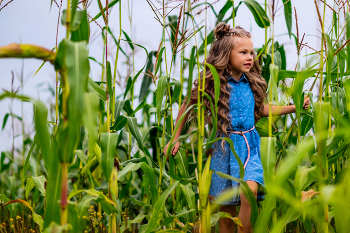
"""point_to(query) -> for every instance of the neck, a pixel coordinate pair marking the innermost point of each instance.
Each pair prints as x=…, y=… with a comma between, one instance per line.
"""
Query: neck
x=236, y=75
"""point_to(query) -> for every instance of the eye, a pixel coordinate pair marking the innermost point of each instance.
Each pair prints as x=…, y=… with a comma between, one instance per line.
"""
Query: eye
x=243, y=52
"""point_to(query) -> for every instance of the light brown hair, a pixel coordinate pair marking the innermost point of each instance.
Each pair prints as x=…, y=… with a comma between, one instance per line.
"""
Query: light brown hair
x=219, y=57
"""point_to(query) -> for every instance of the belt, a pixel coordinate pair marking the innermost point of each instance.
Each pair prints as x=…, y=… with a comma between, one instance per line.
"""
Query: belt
x=246, y=141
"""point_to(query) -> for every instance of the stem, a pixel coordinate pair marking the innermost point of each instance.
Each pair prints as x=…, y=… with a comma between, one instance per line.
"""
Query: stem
x=116, y=61
x=233, y=13
x=64, y=192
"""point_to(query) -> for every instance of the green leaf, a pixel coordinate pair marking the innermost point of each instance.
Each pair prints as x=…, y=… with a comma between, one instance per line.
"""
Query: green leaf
x=112, y=3
x=177, y=91
x=119, y=123
x=288, y=15
x=147, y=79
x=137, y=219
x=158, y=208
x=94, y=87
x=132, y=123
x=216, y=84
x=109, y=79
x=128, y=168
x=108, y=146
x=258, y=12
x=119, y=104
x=190, y=198
x=223, y=11
x=161, y=86
x=182, y=162
x=128, y=40
x=159, y=61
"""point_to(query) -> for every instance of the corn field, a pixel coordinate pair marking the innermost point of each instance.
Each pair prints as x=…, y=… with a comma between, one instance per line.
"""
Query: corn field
x=94, y=167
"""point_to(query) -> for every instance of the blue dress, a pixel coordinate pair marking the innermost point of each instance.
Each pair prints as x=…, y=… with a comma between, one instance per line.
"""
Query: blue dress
x=241, y=115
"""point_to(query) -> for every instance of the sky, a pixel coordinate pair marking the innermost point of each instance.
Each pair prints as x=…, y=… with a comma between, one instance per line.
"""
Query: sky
x=35, y=22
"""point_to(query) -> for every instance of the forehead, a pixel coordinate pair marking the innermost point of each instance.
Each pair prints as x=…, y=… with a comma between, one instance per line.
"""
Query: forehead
x=242, y=43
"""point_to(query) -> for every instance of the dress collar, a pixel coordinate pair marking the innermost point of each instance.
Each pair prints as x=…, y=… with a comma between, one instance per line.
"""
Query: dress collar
x=242, y=79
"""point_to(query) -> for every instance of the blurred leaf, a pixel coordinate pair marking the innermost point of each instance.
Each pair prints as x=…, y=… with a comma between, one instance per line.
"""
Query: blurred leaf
x=5, y=120
x=321, y=129
x=42, y=132
x=37, y=218
x=215, y=218
x=283, y=74
x=90, y=114
x=205, y=184
x=306, y=124
x=258, y=12
x=108, y=147
x=82, y=31
x=81, y=156
x=308, y=194
x=347, y=18
x=158, y=208
x=268, y=158
x=27, y=158
x=27, y=51
x=247, y=193
x=77, y=65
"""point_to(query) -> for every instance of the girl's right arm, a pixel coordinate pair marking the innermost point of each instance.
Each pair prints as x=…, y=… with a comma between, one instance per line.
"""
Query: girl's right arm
x=178, y=132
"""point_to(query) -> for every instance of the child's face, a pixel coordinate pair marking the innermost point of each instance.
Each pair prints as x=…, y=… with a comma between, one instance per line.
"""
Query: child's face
x=241, y=56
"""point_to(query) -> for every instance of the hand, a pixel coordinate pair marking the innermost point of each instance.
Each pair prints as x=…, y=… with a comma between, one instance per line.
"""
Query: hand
x=175, y=148
x=306, y=102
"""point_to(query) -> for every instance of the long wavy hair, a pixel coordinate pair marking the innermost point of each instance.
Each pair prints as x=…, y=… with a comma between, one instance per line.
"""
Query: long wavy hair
x=219, y=57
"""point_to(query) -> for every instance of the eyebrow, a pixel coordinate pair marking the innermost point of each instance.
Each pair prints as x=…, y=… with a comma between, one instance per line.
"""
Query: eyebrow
x=247, y=50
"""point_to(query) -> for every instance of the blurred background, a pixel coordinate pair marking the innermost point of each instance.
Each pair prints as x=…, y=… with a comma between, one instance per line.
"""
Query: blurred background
x=36, y=22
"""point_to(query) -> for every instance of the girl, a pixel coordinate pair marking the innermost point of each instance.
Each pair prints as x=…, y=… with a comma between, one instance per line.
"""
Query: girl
x=240, y=106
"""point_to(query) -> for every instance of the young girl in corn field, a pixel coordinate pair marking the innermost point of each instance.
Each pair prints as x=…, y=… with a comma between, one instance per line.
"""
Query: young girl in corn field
x=241, y=105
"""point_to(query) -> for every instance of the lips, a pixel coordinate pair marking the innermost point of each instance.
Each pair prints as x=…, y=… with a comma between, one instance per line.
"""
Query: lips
x=247, y=64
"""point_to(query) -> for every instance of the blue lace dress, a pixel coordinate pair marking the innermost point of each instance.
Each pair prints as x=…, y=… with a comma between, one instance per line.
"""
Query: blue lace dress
x=241, y=115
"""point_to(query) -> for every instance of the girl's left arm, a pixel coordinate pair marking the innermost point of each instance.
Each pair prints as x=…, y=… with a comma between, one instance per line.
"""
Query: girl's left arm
x=282, y=110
